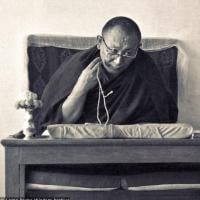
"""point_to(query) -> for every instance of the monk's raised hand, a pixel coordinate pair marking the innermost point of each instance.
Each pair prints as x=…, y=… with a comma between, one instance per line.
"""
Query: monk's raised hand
x=88, y=77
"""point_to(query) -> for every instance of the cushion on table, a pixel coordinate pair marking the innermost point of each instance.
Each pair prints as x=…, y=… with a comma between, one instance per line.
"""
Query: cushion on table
x=90, y=130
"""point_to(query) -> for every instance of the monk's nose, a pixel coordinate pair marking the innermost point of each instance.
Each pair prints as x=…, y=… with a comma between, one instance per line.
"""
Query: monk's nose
x=118, y=60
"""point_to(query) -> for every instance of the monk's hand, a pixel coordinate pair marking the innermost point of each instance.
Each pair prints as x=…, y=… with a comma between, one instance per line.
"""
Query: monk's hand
x=88, y=77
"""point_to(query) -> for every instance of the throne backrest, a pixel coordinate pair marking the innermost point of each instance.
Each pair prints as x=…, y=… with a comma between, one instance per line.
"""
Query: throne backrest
x=47, y=52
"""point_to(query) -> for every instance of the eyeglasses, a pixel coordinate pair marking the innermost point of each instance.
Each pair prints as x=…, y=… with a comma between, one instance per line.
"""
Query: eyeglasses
x=115, y=52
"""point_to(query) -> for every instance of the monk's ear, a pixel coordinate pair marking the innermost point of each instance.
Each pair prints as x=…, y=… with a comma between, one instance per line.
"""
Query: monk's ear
x=99, y=39
x=140, y=45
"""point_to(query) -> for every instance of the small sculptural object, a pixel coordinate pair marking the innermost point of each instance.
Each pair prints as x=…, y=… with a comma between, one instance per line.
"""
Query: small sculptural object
x=29, y=101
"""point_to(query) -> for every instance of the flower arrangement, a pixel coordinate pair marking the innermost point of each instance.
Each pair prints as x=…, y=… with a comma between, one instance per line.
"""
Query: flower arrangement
x=29, y=102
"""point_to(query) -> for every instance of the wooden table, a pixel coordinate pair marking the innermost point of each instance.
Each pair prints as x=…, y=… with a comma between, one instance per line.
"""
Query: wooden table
x=19, y=153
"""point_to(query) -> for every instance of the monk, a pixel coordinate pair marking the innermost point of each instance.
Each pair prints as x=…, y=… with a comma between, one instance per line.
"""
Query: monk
x=114, y=82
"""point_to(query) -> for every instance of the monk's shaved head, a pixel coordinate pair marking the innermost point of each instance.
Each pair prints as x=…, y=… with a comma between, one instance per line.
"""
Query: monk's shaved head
x=119, y=44
x=124, y=23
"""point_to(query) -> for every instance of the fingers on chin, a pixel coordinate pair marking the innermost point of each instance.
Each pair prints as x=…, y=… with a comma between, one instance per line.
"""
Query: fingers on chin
x=95, y=62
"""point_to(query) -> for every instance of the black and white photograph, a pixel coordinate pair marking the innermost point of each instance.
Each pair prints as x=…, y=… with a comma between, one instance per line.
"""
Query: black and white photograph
x=100, y=100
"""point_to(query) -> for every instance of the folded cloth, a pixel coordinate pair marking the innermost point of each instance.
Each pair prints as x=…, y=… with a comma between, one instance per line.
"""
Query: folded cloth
x=140, y=131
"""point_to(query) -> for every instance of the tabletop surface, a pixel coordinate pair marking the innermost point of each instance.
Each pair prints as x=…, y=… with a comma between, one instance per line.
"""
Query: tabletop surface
x=45, y=140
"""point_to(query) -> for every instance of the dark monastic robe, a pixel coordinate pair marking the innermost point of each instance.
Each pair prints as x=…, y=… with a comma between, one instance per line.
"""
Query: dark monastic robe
x=140, y=94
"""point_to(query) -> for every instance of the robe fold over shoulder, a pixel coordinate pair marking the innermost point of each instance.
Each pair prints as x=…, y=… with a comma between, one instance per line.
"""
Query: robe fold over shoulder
x=137, y=91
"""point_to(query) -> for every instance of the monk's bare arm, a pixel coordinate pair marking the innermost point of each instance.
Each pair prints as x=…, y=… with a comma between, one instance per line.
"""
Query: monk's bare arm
x=73, y=106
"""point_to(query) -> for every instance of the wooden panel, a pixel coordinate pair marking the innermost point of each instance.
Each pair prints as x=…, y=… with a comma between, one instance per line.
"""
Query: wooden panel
x=109, y=154
x=100, y=142
x=22, y=180
x=12, y=172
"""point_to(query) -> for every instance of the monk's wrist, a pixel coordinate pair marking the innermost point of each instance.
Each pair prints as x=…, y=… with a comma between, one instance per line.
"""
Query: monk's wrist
x=79, y=91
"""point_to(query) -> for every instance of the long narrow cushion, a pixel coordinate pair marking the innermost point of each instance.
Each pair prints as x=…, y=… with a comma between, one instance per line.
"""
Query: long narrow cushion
x=142, y=131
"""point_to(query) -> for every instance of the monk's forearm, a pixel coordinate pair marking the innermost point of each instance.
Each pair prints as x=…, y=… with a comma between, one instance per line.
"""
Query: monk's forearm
x=73, y=106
